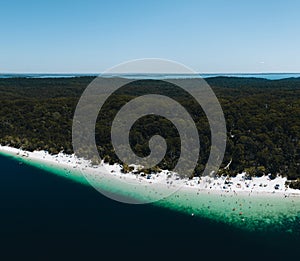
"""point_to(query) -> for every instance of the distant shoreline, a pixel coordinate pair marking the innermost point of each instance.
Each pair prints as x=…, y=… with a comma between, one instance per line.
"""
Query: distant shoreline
x=268, y=76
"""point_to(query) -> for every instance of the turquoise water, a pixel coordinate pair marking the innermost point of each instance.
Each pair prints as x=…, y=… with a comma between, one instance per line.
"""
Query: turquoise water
x=264, y=213
x=248, y=213
x=52, y=215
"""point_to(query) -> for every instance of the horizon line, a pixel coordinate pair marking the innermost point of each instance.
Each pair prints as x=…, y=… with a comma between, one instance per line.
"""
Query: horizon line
x=98, y=73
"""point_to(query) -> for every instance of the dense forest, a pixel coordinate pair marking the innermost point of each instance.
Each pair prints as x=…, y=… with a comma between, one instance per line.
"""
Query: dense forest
x=262, y=120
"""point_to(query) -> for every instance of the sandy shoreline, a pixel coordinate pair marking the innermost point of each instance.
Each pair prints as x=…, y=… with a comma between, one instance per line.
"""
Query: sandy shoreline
x=247, y=204
x=82, y=169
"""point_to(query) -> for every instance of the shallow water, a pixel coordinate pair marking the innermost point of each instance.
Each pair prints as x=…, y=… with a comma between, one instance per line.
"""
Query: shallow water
x=255, y=212
x=44, y=215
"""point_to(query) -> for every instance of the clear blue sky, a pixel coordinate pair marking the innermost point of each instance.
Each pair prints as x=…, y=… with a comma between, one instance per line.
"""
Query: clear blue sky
x=208, y=36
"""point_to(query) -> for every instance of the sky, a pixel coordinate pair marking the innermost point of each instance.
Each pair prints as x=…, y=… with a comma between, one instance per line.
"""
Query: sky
x=208, y=36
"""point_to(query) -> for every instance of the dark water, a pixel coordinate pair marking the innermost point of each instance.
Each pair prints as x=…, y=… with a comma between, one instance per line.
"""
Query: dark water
x=45, y=217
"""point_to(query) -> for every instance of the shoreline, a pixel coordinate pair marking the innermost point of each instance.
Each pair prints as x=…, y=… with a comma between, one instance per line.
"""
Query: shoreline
x=260, y=209
x=238, y=185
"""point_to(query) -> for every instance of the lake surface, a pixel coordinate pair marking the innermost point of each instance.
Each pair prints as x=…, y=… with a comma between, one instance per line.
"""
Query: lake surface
x=269, y=76
x=52, y=218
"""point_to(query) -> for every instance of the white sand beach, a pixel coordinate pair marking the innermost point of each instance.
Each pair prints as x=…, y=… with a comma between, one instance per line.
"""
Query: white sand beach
x=230, y=185
x=255, y=203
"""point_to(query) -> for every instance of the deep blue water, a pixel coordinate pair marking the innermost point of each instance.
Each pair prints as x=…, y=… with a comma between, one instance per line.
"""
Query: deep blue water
x=47, y=217
x=270, y=76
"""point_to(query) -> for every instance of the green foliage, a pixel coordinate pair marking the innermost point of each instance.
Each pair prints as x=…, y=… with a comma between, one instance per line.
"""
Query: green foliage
x=262, y=119
x=126, y=168
x=294, y=184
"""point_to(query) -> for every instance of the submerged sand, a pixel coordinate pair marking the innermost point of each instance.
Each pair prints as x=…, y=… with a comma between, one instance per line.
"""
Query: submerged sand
x=248, y=204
